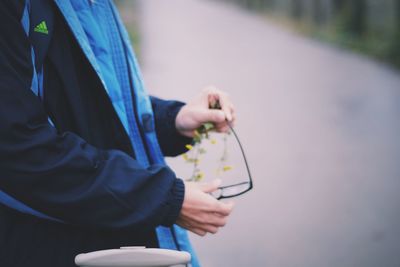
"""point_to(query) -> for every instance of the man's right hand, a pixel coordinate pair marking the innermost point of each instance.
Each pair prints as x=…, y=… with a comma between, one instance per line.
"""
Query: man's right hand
x=201, y=213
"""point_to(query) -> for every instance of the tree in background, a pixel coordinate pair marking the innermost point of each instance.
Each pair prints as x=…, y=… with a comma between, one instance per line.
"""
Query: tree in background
x=317, y=12
x=351, y=15
x=338, y=5
x=357, y=17
x=296, y=9
x=394, y=53
x=369, y=26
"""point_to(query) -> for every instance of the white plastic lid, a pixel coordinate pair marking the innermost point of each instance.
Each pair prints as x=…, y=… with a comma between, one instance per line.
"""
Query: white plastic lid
x=132, y=257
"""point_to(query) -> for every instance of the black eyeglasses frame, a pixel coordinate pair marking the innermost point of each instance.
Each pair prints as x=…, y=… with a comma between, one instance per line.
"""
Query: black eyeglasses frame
x=250, y=182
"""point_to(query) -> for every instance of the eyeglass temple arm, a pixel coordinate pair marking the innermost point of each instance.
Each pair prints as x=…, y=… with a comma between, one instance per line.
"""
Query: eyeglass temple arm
x=242, y=150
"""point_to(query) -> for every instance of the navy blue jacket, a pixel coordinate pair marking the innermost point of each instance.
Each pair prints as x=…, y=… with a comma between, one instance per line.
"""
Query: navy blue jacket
x=72, y=172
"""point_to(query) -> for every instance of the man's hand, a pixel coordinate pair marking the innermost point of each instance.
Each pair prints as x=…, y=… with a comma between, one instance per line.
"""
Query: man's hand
x=197, y=112
x=201, y=213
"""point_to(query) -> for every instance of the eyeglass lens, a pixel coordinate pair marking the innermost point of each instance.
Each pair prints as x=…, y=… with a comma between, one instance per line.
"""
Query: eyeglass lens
x=240, y=188
x=232, y=190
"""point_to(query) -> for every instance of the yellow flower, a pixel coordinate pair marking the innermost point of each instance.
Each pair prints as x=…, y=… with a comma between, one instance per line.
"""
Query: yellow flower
x=199, y=176
x=189, y=147
x=227, y=168
x=185, y=157
x=213, y=141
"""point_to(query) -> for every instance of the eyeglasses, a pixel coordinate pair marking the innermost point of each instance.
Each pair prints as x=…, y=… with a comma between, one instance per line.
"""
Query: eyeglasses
x=239, y=188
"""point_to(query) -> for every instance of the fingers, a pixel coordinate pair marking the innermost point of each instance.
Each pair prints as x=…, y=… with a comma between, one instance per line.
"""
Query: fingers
x=210, y=115
x=216, y=207
x=211, y=229
x=193, y=228
x=205, y=229
x=208, y=224
x=201, y=232
x=217, y=220
x=198, y=232
x=226, y=105
x=201, y=213
x=216, y=214
x=198, y=111
x=222, y=127
x=211, y=186
x=217, y=117
x=223, y=209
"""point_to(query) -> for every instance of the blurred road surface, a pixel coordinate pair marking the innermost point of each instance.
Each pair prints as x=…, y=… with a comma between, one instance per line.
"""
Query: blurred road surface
x=321, y=127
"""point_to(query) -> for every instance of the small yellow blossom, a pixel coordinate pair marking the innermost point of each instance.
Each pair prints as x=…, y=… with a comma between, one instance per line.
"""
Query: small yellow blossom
x=227, y=168
x=199, y=176
x=213, y=141
x=202, y=150
x=185, y=157
x=189, y=147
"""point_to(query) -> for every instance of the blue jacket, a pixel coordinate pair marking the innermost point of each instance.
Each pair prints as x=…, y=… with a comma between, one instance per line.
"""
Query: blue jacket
x=84, y=171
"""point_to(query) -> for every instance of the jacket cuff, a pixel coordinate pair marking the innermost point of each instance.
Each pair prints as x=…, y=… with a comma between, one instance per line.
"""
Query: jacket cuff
x=175, y=202
x=180, y=140
x=171, y=141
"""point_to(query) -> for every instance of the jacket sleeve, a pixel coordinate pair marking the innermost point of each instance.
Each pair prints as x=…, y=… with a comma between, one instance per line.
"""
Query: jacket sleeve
x=61, y=175
x=171, y=141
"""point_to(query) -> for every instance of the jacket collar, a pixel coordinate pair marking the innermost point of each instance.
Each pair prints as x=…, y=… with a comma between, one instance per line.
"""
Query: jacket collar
x=75, y=26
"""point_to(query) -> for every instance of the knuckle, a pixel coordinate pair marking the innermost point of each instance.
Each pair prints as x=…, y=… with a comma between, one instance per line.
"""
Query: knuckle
x=201, y=219
x=223, y=222
x=214, y=231
x=226, y=211
x=216, y=207
x=208, y=218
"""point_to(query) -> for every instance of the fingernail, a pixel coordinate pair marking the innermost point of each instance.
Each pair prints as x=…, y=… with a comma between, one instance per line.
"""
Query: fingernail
x=227, y=116
x=222, y=116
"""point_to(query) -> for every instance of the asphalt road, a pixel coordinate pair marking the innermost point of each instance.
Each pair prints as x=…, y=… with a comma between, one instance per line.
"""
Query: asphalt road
x=321, y=127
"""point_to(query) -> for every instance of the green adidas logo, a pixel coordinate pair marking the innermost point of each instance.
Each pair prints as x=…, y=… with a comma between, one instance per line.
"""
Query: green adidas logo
x=42, y=28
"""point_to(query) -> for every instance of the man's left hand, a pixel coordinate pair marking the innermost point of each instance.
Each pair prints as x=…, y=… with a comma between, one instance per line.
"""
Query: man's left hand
x=197, y=112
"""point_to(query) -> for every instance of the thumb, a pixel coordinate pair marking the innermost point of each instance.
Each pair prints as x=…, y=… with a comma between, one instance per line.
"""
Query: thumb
x=211, y=186
x=211, y=115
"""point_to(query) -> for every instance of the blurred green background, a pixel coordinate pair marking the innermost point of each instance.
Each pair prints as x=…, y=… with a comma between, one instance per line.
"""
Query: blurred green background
x=368, y=26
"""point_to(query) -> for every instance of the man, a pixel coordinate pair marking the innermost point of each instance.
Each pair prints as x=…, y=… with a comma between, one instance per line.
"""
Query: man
x=81, y=167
